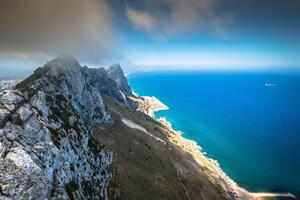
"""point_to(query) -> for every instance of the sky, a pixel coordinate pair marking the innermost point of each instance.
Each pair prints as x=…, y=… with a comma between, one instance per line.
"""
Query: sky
x=152, y=34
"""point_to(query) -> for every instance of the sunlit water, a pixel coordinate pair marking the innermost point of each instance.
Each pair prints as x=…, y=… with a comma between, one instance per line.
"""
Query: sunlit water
x=250, y=127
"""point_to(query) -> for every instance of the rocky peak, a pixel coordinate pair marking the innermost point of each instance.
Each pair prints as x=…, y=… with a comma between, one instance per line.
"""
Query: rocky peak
x=116, y=73
x=46, y=148
x=68, y=70
x=115, y=69
x=65, y=61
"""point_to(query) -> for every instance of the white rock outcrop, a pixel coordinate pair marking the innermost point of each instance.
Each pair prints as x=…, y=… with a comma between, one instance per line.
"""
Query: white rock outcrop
x=46, y=147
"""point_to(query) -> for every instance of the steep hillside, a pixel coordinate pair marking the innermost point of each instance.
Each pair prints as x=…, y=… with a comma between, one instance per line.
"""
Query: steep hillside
x=149, y=161
x=45, y=144
x=48, y=149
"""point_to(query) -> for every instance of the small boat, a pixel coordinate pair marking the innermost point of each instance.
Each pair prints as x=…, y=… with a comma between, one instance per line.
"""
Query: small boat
x=270, y=84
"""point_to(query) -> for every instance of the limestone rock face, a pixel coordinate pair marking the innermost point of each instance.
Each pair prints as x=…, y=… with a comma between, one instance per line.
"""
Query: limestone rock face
x=46, y=147
x=16, y=183
x=115, y=72
x=4, y=113
x=10, y=99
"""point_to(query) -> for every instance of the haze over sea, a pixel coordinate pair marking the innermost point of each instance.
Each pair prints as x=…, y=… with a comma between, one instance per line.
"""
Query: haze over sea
x=251, y=128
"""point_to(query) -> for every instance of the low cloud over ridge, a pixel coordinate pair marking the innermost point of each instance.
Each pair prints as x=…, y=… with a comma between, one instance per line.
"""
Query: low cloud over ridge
x=35, y=27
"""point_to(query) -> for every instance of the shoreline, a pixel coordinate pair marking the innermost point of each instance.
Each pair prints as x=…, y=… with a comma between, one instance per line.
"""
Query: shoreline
x=150, y=105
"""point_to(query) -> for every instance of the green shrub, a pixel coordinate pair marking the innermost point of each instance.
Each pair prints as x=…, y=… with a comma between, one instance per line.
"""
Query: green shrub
x=36, y=75
x=71, y=188
x=54, y=136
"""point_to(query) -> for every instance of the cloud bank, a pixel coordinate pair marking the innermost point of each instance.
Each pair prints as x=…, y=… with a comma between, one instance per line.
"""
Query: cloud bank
x=51, y=27
x=35, y=29
x=105, y=31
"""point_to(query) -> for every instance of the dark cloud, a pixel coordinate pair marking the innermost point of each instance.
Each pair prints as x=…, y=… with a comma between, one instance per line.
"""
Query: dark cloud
x=276, y=20
x=96, y=30
x=169, y=17
x=51, y=27
x=279, y=18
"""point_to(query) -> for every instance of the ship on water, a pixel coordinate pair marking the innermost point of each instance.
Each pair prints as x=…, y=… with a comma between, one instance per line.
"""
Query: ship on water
x=270, y=84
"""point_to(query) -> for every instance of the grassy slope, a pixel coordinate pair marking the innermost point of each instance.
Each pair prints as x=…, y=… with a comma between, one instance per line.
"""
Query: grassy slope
x=144, y=168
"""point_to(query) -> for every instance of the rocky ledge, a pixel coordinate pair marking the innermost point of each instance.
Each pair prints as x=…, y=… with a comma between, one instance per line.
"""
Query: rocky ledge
x=46, y=147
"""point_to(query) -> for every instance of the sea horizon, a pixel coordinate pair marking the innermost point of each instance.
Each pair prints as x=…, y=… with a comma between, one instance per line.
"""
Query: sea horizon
x=150, y=99
x=222, y=139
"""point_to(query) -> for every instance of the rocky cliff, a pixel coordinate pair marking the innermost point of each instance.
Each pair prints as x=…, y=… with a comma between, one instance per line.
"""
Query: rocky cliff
x=115, y=72
x=72, y=132
x=46, y=148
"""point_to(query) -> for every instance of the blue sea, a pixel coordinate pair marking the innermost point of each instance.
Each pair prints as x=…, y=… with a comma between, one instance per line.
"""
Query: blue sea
x=250, y=127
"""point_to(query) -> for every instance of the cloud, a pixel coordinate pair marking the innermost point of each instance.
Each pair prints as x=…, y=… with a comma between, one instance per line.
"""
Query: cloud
x=171, y=17
x=50, y=27
x=141, y=19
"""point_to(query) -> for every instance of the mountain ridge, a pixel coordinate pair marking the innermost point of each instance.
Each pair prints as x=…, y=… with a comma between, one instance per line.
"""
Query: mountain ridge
x=52, y=143
x=60, y=100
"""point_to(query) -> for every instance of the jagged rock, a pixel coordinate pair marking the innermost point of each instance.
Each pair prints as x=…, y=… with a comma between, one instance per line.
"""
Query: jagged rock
x=10, y=136
x=72, y=120
x=11, y=100
x=13, y=180
x=2, y=150
x=23, y=160
x=46, y=146
x=39, y=102
x=116, y=73
x=25, y=112
x=16, y=183
x=3, y=116
x=45, y=133
x=11, y=97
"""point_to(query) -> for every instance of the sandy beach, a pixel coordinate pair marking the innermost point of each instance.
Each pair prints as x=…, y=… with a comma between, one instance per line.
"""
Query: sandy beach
x=150, y=105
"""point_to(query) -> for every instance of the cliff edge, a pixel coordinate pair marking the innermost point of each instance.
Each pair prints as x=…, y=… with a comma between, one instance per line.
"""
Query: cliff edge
x=46, y=147
x=73, y=132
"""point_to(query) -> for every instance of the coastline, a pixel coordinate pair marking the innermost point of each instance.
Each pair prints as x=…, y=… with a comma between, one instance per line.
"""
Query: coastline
x=150, y=105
